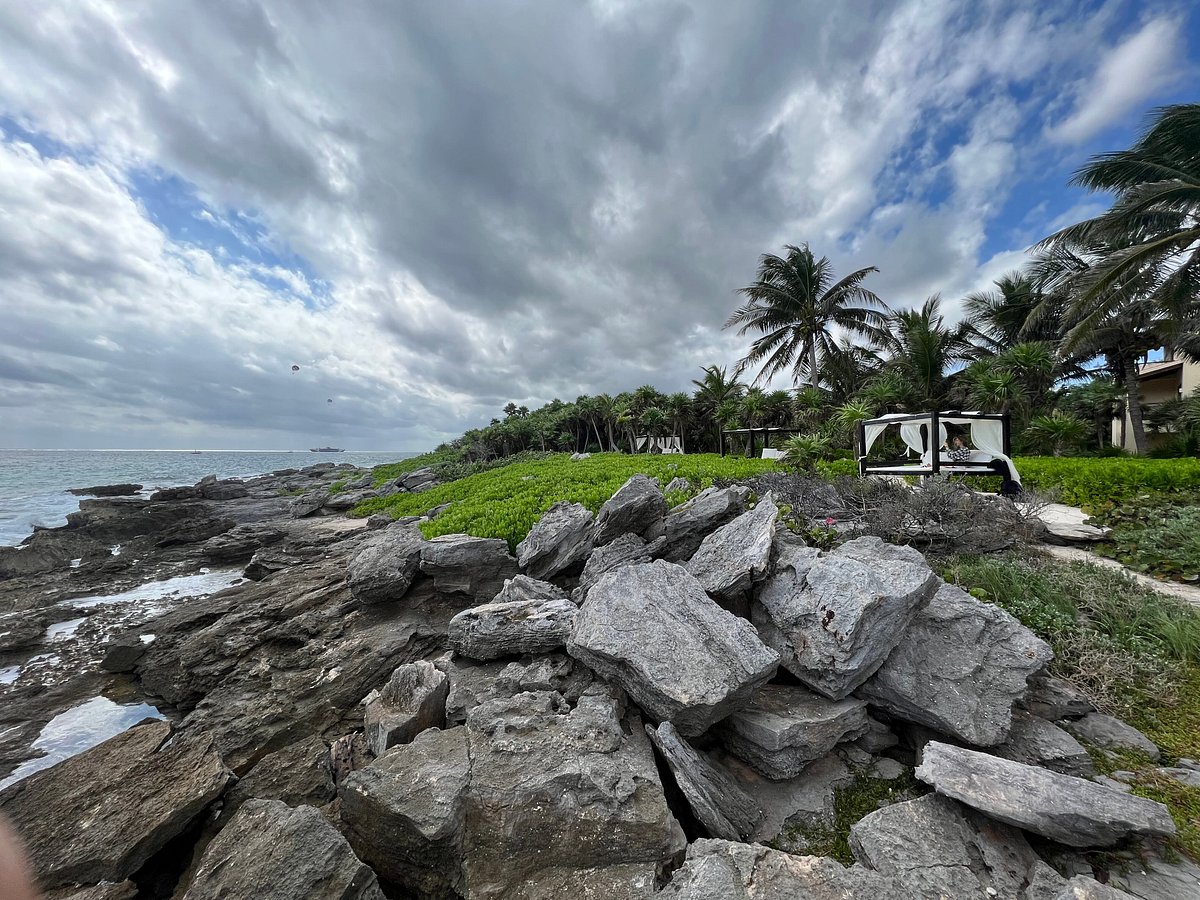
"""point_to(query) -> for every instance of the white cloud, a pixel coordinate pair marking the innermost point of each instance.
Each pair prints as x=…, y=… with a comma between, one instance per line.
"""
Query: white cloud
x=1130, y=73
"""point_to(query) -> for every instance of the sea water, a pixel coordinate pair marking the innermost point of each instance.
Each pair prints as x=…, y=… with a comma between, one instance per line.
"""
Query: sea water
x=34, y=483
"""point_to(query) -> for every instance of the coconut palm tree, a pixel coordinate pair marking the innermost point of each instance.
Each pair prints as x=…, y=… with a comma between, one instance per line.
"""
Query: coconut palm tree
x=796, y=306
x=679, y=409
x=713, y=390
x=921, y=347
x=1017, y=310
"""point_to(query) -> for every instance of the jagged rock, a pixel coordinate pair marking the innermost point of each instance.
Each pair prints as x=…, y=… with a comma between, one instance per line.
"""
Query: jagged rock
x=959, y=668
x=123, y=890
x=1184, y=775
x=195, y=530
x=384, y=567
x=472, y=683
x=791, y=808
x=678, y=483
x=1036, y=742
x=307, y=503
x=123, y=654
x=267, y=562
x=559, y=542
x=348, y=499
x=723, y=870
x=1108, y=733
x=241, y=542
x=413, y=699
x=1069, y=810
x=738, y=554
x=1053, y=699
x=272, y=850
x=782, y=729
x=716, y=799
x=638, y=507
x=523, y=588
x=1157, y=876
x=936, y=848
x=835, y=618
x=626, y=550
x=510, y=629
x=544, y=775
x=376, y=521
x=877, y=738
x=101, y=815
x=459, y=563
x=404, y=813
x=298, y=775
x=225, y=489
x=175, y=494
x=418, y=481
x=1081, y=887
x=688, y=524
x=106, y=490
x=654, y=631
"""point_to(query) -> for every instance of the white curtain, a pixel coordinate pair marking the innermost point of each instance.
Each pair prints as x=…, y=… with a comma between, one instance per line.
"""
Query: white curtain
x=873, y=432
x=988, y=435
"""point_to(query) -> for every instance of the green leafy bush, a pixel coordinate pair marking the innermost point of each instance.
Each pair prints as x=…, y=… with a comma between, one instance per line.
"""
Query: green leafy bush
x=1155, y=533
x=1091, y=482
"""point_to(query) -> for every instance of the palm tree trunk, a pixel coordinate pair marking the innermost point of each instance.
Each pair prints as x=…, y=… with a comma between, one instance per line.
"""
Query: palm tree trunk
x=1134, y=402
x=596, y=428
x=812, y=364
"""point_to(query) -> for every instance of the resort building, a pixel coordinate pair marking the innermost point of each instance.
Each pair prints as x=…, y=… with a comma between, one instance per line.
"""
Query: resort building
x=1169, y=378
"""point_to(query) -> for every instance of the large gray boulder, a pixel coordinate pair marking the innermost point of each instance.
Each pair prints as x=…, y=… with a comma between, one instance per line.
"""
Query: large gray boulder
x=723, y=870
x=559, y=543
x=1109, y=733
x=413, y=699
x=404, y=813
x=959, y=668
x=737, y=555
x=718, y=802
x=1034, y=741
x=300, y=774
x=473, y=683
x=1052, y=699
x=272, y=850
x=510, y=629
x=688, y=524
x=626, y=550
x=783, y=728
x=638, y=507
x=555, y=788
x=384, y=567
x=100, y=815
x=835, y=618
x=1069, y=810
x=936, y=848
x=462, y=564
x=654, y=631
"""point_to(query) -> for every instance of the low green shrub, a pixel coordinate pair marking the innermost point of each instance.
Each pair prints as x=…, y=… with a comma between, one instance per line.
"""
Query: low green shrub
x=1091, y=482
x=506, y=502
x=1158, y=534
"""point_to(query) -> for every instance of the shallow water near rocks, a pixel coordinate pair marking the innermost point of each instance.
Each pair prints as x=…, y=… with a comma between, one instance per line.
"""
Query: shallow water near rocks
x=80, y=728
x=199, y=585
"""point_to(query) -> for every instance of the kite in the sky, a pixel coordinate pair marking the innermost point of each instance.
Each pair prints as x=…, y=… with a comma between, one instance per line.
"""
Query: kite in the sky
x=295, y=368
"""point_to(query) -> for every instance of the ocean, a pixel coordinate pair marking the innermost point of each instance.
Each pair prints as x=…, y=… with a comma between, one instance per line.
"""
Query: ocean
x=34, y=483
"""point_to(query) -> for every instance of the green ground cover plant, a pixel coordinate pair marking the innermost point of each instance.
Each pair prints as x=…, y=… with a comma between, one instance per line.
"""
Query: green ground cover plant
x=1158, y=534
x=1092, y=482
x=506, y=502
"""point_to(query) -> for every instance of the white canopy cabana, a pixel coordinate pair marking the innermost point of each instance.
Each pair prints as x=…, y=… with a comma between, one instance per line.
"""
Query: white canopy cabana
x=988, y=433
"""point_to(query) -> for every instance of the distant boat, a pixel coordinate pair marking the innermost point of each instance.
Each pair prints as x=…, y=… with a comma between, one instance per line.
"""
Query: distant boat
x=197, y=452
x=326, y=450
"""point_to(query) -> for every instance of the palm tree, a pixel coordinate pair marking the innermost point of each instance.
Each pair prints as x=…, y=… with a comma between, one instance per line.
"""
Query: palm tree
x=1101, y=401
x=605, y=409
x=679, y=408
x=713, y=390
x=654, y=422
x=1056, y=432
x=919, y=346
x=1017, y=310
x=795, y=305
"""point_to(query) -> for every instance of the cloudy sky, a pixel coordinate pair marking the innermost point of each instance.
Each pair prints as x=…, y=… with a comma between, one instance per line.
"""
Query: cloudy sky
x=435, y=208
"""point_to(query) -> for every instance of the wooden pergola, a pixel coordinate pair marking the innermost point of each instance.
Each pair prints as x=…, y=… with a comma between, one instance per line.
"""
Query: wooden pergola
x=930, y=425
x=755, y=433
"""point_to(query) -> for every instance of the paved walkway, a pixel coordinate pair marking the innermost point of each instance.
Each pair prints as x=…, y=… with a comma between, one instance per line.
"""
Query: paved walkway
x=1172, y=588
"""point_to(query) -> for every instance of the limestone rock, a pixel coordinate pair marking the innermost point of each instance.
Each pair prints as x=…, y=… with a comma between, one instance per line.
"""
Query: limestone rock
x=240, y=542
x=936, y=848
x=723, y=870
x=272, y=850
x=678, y=483
x=638, y=507
x=404, y=813
x=384, y=567
x=307, y=503
x=1036, y=742
x=298, y=775
x=1069, y=810
x=1081, y=887
x=523, y=588
x=737, y=555
x=1053, y=699
x=688, y=524
x=413, y=699
x=716, y=799
x=510, y=629
x=959, y=668
x=782, y=729
x=101, y=815
x=1108, y=733
x=461, y=564
x=626, y=550
x=654, y=631
x=559, y=542
x=836, y=618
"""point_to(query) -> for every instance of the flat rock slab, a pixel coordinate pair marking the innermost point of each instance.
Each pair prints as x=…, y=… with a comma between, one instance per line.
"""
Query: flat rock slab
x=272, y=850
x=384, y=567
x=723, y=870
x=1069, y=810
x=101, y=815
x=654, y=631
x=462, y=564
x=299, y=775
x=719, y=803
x=1109, y=733
x=835, y=618
x=959, y=668
x=737, y=555
x=413, y=700
x=783, y=728
x=1036, y=742
x=558, y=543
x=688, y=524
x=493, y=630
x=937, y=848
x=638, y=507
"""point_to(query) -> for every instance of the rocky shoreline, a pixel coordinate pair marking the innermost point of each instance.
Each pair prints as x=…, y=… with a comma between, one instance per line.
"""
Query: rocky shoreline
x=633, y=704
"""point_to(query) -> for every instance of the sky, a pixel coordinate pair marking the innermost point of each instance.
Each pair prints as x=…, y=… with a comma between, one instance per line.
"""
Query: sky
x=436, y=208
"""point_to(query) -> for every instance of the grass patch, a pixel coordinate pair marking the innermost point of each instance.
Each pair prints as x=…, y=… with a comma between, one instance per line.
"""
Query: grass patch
x=1158, y=534
x=505, y=502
